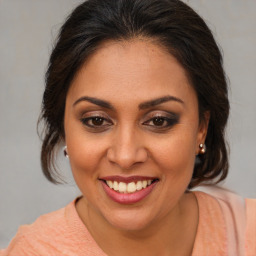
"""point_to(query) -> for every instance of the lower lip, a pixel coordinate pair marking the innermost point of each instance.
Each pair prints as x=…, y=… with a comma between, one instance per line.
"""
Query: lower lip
x=128, y=198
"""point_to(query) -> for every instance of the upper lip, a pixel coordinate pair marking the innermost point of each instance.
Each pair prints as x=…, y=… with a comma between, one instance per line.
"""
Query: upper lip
x=127, y=179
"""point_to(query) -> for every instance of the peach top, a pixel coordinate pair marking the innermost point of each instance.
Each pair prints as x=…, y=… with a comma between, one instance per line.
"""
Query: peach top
x=63, y=233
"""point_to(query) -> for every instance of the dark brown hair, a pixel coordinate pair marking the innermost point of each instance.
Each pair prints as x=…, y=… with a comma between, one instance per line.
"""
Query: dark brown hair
x=177, y=28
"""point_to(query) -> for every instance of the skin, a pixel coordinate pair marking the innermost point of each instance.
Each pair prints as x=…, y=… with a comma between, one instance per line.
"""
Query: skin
x=128, y=142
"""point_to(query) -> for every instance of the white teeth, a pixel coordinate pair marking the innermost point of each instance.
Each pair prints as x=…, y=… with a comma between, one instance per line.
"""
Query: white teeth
x=110, y=183
x=122, y=187
x=139, y=185
x=144, y=183
x=129, y=187
x=115, y=186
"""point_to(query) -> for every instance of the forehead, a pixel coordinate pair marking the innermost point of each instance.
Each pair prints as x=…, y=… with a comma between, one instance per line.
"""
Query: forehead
x=136, y=68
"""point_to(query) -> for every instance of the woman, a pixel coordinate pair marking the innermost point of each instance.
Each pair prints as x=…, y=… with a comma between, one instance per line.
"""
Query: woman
x=137, y=92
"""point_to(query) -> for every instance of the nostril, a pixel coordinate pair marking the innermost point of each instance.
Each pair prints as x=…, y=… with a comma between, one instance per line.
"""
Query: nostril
x=126, y=155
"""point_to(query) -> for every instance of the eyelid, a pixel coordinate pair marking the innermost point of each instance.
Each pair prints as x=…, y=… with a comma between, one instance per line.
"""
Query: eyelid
x=87, y=116
x=170, y=119
x=92, y=117
x=93, y=113
x=161, y=113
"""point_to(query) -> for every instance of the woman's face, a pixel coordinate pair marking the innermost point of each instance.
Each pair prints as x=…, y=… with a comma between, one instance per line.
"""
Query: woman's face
x=132, y=133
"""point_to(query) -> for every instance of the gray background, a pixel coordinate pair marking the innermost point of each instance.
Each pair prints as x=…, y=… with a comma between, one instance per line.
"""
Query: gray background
x=28, y=29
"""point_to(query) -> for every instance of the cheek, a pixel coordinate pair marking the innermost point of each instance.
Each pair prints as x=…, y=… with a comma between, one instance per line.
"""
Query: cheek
x=176, y=155
x=85, y=155
x=84, y=160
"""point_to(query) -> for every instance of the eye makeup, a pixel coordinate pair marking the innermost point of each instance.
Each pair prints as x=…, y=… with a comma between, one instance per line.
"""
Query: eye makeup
x=95, y=121
x=161, y=120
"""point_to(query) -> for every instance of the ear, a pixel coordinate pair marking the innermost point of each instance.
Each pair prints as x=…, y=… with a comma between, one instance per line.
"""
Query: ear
x=202, y=130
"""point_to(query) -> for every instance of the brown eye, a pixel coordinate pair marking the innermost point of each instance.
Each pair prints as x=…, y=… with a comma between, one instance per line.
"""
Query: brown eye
x=97, y=121
x=158, y=121
x=161, y=123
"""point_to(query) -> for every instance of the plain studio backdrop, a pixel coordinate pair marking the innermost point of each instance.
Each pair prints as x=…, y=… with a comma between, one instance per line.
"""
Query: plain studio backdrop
x=28, y=29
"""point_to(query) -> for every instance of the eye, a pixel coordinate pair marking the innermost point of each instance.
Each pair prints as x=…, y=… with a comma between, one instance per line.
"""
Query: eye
x=161, y=122
x=158, y=121
x=96, y=122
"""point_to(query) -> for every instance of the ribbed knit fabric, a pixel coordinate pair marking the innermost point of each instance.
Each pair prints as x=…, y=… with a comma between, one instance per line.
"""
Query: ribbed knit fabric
x=211, y=238
x=58, y=233
x=250, y=242
x=63, y=233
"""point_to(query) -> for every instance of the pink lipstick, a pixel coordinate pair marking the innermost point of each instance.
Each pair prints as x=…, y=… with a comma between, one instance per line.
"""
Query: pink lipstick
x=138, y=187
x=128, y=179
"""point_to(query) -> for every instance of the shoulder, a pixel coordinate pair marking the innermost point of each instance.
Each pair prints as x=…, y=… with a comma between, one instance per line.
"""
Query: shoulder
x=226, y=200
x=238, y=216
x=251, y=225
x=210, y=222
x=40, y=235
x=58, y=233
x=251, y=209
x=44, y=225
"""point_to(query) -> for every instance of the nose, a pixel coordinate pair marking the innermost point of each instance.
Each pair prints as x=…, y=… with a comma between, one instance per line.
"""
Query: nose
x=127, y=149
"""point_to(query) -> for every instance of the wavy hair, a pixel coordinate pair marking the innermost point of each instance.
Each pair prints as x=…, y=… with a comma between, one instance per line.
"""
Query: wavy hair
x=174, y=26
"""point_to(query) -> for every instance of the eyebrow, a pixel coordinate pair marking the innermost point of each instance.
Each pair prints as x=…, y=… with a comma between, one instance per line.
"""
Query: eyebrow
x=158, y=101
x=144, y=105
x=96, y=101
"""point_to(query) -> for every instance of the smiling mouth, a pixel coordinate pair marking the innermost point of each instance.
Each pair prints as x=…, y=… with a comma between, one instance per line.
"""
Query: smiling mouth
x=129, y=187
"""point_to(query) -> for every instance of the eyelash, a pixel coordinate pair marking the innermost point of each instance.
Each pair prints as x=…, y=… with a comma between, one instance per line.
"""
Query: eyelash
x=102, y=119
x=167, y=121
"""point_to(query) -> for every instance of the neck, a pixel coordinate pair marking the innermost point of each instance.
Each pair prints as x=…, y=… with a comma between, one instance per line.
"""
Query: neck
x=173, y=234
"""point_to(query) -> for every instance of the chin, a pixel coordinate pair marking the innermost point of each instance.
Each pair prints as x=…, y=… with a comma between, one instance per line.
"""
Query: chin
x=129, y=220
